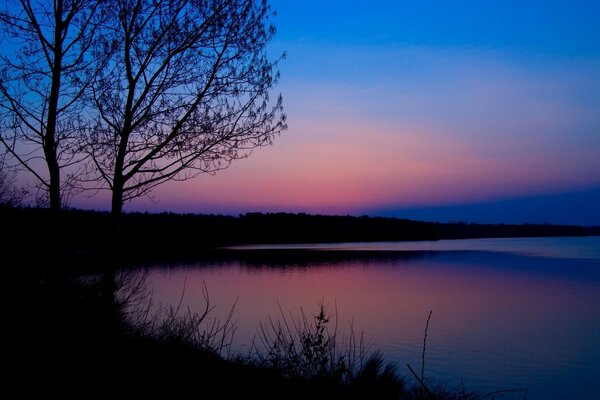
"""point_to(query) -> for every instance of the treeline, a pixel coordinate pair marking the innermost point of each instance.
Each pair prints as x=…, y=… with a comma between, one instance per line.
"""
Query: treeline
x=305, y=228
x=171, y=233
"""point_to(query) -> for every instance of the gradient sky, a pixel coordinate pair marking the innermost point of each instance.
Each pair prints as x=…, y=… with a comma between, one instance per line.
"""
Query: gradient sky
x=397, y=105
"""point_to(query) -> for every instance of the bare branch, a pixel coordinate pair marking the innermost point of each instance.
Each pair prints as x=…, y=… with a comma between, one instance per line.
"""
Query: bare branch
x=43, y=83
x=185, y=92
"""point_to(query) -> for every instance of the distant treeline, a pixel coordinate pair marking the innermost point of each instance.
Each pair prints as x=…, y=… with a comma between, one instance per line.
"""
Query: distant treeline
x=171, y=233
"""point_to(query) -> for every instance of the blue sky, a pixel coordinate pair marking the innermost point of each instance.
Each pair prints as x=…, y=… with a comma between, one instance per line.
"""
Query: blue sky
x=559, y=28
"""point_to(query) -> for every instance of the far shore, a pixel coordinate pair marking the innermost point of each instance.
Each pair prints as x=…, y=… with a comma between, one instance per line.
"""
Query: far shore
x=81, y=234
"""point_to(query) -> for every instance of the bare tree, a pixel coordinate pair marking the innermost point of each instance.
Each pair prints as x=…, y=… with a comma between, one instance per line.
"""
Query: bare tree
x=44, y=71
x=186, y=91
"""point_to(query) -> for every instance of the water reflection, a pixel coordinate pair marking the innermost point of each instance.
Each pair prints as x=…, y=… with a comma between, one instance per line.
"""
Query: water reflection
x=500, y=319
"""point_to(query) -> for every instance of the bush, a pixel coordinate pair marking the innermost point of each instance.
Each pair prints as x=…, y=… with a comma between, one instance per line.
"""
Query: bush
x=309, y=350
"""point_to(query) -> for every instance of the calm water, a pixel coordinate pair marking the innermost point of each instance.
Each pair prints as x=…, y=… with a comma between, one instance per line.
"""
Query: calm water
x=507, y=313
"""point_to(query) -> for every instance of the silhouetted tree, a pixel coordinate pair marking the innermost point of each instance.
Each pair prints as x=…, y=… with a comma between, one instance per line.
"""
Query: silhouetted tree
x=45, y=67
x=185, y=91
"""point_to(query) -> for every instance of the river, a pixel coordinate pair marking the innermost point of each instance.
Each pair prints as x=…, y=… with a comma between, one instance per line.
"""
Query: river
x=507, y=313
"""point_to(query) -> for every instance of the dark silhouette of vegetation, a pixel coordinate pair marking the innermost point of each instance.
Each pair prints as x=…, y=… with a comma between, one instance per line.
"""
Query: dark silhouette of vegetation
x=170, y=324
x=68, y=344
x=169, y=235
x=45, y=69
x=127, y=95
x=310, y=350
x=185, y=91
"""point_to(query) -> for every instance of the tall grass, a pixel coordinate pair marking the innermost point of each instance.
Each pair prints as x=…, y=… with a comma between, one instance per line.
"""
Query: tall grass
x=173, y=324
x=311, y=349
x=304, y=353
x=307, y=347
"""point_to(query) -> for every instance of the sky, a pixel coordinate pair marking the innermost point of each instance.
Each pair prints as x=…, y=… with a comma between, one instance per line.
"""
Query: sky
x=400, y=107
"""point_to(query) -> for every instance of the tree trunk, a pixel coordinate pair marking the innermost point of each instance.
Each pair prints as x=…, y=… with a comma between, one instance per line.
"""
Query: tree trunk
x=117, y=199
x=54, y=184
x=117, y=211
x=109, y=284
x=49, y=142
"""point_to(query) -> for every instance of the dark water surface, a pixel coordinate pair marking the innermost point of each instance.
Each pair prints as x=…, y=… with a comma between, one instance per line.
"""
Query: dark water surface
x=507, y=313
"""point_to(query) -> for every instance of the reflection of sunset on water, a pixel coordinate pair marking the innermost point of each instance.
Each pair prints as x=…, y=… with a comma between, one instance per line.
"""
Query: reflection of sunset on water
x=498, y=318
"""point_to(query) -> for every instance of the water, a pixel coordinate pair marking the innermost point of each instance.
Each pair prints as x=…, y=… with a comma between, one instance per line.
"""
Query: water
x=507, y=313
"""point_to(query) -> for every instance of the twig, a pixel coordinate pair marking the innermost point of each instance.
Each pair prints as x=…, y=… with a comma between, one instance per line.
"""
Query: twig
x=424, y=347
x=423, y=385
x=176, y=312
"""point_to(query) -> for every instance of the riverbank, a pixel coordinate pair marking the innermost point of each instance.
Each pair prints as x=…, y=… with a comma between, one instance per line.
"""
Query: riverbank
x=73, y=338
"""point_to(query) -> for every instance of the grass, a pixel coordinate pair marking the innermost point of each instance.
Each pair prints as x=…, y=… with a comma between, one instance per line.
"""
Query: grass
x=307, y=349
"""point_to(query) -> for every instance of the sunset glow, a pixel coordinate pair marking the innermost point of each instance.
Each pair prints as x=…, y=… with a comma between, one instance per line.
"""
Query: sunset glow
x=396, y=107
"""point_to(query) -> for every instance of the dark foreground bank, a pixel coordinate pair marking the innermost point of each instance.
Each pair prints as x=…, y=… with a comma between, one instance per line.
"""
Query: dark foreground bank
x=89, y=335
x=76, y=343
